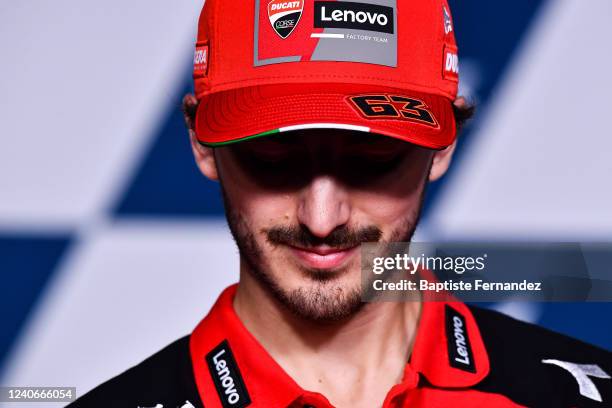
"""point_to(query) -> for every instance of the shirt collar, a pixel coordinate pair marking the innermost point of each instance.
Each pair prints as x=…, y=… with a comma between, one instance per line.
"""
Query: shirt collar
x=446, y=330
x=265, y=381
x=448, y=349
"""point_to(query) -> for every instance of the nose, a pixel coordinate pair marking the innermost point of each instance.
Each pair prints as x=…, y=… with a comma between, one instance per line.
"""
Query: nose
x=323, y=206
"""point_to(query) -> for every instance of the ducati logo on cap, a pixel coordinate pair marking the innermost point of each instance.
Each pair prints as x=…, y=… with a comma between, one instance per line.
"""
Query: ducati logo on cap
x=284, y=15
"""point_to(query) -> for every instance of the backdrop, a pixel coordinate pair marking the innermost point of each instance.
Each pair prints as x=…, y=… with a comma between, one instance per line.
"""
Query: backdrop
x=112, y=244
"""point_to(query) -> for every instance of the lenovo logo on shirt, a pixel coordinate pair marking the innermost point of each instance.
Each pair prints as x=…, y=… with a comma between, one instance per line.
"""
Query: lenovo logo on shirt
x=355, y=16
x=226, y=376
x=459, y=350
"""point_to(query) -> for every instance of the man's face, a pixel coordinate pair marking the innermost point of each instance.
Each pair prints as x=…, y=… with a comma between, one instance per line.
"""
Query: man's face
x=300, y=204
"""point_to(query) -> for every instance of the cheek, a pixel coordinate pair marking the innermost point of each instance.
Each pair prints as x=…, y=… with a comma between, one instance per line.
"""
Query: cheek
x=397, y=201
x=265, y=210
x=258, y=207
x=387, y=211
x=261, y=210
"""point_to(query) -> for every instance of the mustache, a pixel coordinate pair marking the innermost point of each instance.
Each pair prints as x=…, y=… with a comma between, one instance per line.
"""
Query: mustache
x=341, y=237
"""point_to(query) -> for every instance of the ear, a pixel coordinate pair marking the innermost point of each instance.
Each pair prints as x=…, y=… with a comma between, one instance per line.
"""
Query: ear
x=442, y=158
x=204, y=156
x=441, y=162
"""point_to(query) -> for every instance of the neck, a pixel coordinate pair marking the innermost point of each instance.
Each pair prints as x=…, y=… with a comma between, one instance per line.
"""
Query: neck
x=344, y=360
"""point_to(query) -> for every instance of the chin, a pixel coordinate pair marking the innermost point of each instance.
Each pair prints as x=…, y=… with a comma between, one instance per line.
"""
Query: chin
x=323, y=301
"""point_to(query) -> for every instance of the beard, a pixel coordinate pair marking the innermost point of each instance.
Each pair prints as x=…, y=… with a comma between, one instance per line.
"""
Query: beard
x=323, y=299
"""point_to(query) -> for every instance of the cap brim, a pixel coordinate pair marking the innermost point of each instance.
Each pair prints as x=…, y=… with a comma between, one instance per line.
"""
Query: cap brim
x=246, y=113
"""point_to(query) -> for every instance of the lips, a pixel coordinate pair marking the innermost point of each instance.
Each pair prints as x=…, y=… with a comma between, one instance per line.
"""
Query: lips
x=323, y=257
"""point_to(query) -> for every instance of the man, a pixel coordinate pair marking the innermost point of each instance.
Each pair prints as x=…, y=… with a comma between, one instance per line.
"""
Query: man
x=324, y=121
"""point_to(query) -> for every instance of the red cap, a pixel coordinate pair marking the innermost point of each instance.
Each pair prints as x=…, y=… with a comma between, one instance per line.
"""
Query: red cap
x=381, y=66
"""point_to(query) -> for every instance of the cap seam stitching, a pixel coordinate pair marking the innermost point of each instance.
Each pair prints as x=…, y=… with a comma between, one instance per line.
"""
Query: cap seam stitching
x=216, y=38
x=211, y=91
